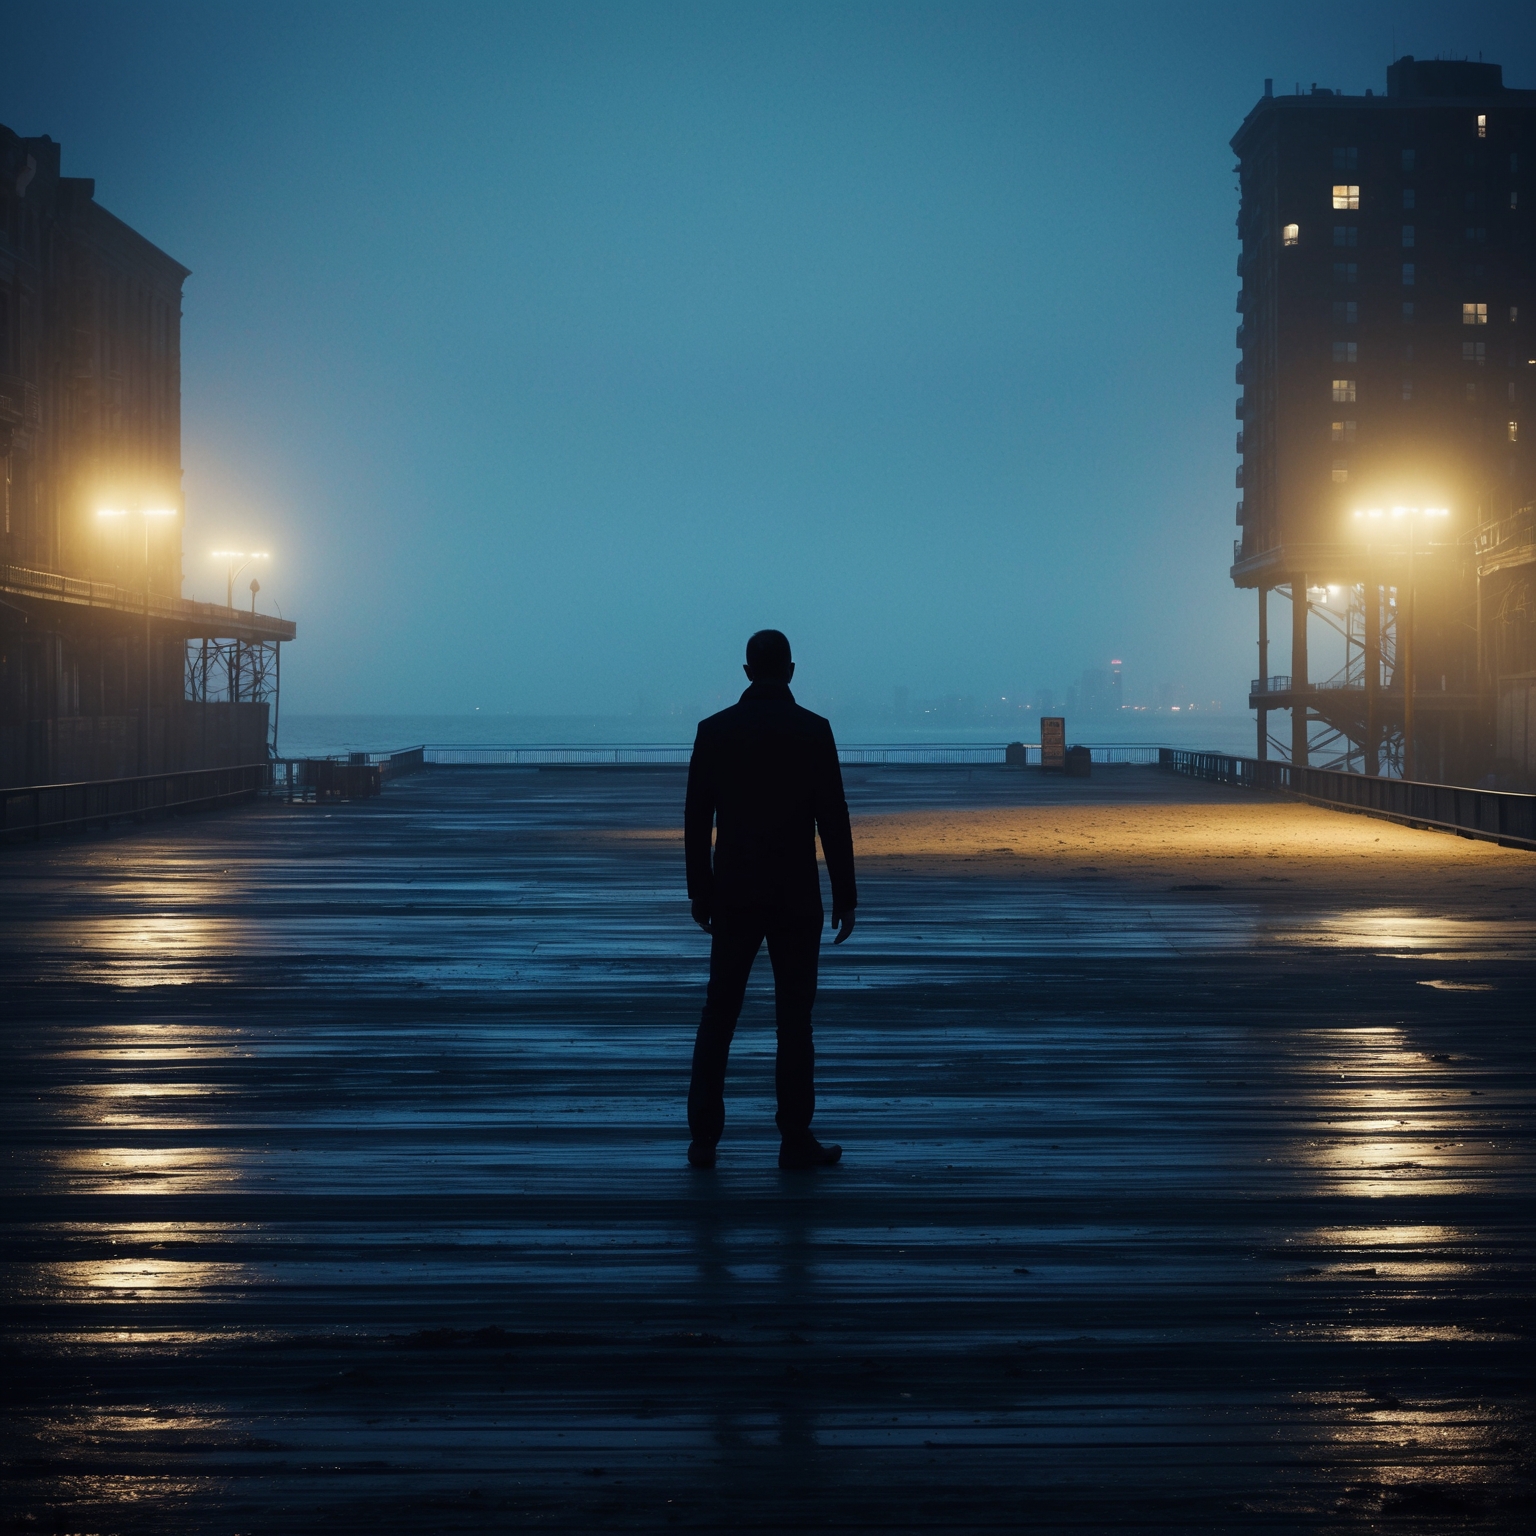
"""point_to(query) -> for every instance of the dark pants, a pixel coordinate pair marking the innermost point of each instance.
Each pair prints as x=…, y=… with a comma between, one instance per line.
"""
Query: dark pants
x=794, y=947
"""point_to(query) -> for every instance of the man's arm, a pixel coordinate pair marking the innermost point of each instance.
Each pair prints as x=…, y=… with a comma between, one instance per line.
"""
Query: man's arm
x=836, y=836
x=698, y=831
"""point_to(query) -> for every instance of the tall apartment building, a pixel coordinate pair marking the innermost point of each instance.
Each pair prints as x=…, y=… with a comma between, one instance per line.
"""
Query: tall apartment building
x=95, y=675
x=1388, y=373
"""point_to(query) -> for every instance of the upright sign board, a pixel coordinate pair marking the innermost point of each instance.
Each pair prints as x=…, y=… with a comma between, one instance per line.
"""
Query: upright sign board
x=1053, y=742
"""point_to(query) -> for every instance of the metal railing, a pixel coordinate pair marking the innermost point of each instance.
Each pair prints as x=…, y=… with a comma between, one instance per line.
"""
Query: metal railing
x=1496, y=541
x=858, y=754
x=23, y=581
x=33, y=810
x=1493, y=814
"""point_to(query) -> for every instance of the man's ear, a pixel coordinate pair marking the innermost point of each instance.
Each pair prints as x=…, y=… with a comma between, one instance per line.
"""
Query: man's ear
x=791, y=676
x=747, y=669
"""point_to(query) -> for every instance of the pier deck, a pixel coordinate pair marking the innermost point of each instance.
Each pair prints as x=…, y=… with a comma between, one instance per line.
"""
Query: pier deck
x=1188, y=1180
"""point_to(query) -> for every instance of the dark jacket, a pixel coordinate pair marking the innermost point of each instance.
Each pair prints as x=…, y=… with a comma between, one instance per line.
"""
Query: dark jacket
x=764, y=775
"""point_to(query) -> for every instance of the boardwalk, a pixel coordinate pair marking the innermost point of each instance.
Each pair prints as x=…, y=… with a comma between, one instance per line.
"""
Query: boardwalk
x=1188, y=1178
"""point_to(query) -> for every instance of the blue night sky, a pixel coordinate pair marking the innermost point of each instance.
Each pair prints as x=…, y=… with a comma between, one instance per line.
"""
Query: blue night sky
x=552, y=348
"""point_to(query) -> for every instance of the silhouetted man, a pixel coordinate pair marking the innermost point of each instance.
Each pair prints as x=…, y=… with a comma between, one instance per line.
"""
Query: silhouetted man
x=764, y=776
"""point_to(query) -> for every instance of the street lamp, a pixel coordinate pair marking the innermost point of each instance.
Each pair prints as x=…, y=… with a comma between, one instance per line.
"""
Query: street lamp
x=234, y=569
x=149, y=515
x=1370, y=519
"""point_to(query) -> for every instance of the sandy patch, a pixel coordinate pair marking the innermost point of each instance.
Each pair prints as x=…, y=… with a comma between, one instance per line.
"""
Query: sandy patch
x=1193, y=844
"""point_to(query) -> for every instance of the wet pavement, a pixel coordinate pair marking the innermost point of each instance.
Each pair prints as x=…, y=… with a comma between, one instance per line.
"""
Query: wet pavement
x=344, y=1184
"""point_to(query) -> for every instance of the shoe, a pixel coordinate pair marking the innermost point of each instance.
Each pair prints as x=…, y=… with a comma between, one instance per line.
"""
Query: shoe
x=808, y=1154
x=700, y=1156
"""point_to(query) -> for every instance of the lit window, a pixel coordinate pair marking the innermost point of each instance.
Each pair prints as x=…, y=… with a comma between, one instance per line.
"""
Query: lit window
x=1340, y=471
x=1514, y=201
x=1408, y=197
x=1346, y=197
x=1409, y=161
x=1343, y=431
x=1471, y=393
x=1292, y=234
x=1407, y=389
x=1474, y=314
x=1346, y=351
x=1482, y=126
x=1408, y=312
x=1474, y=352
x=1407, y=235
x=1345, y=271
x=1514, y=313
x=1344, y=391
x=1346, y=159
x=1514, y=431
x=1476, y=236
x=1345, y=312
x=1346, y=234
x=1407, y=274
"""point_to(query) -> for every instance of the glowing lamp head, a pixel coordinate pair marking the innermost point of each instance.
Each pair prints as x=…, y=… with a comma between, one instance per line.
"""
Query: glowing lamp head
x=112, y=512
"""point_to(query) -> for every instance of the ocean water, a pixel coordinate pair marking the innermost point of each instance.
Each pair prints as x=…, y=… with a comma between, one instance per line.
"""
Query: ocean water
x=326, y=735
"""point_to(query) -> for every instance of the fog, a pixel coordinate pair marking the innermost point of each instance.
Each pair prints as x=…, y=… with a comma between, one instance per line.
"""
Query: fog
x=552, y=349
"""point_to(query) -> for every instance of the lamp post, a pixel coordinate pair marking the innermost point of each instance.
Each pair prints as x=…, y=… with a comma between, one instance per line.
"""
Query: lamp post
x=1408, y=517
x=244, y=559
x=148, y=515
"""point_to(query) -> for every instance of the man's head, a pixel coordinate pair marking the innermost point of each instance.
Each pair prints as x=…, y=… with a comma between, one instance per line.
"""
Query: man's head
x=768, y=657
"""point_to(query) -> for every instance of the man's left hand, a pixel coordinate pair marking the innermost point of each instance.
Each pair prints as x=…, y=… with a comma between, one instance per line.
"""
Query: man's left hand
x=843, y=922
x=701, y=915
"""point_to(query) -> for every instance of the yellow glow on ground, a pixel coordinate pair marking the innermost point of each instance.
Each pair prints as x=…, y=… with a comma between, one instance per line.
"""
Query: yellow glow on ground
x=1247, y=841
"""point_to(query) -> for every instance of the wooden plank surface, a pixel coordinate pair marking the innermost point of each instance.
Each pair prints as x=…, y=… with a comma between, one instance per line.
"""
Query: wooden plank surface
x=344, y=1179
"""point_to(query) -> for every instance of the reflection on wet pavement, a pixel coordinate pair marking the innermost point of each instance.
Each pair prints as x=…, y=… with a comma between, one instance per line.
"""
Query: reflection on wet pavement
x=345, y=1187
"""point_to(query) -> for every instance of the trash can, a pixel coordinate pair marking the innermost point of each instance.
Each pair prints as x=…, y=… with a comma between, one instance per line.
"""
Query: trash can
x=1079, y=763
x=1016, y=755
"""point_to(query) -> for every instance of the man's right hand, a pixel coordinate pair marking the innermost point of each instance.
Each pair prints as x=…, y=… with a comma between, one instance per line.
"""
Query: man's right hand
x=701, y=915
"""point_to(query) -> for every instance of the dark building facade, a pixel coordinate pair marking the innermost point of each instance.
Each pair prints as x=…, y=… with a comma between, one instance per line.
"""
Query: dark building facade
x=1388, y=339
x=104, y=667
